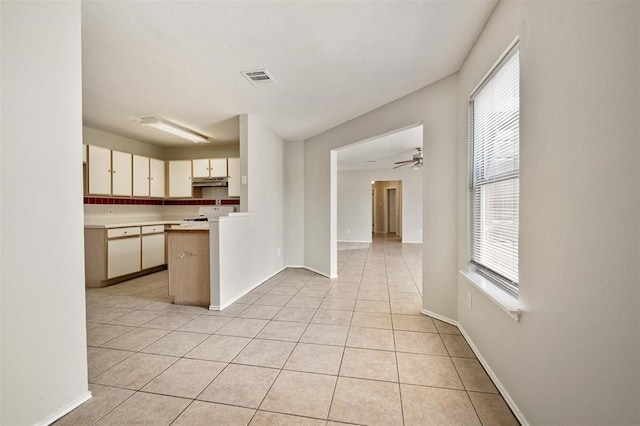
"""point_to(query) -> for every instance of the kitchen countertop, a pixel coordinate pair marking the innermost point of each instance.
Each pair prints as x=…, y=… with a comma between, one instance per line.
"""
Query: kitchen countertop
x=190, y=229
x=128, y=224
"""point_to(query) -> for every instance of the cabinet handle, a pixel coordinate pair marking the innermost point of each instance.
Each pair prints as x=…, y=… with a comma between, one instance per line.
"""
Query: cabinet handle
x=109, y=171
x=114, y=172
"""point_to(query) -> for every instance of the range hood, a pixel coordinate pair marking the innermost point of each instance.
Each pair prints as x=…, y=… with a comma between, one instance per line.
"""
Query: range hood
x=209, y=181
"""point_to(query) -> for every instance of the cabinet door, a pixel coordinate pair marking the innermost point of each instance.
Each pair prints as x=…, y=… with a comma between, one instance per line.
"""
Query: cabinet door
x=180, y=178
x=234, y=177
x=121, y=170
x=140, y=176
x=152, y=250
x=218, y=167
x=123, y=256
x=201, y=168
x=99, y=160
x=156, y=176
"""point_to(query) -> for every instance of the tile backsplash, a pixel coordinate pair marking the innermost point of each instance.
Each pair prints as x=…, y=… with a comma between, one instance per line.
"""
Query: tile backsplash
x=111, y=210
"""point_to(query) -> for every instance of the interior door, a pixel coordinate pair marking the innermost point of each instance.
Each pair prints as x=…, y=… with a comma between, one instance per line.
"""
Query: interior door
x=392, y=211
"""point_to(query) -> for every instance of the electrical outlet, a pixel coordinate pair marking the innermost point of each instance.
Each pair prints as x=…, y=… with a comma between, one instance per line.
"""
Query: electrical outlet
x=348, y=231
x=469, y=299
x=278, y=252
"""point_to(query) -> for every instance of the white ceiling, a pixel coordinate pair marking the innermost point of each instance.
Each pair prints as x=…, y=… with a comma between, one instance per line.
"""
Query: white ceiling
x=332, y=60
x=381, y=153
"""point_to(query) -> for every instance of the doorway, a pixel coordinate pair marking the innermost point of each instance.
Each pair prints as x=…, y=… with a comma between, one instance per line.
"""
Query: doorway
x=392, y=217
x=386, y=207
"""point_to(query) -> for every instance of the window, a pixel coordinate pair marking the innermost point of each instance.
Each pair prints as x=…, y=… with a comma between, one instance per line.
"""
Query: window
x=494, y=117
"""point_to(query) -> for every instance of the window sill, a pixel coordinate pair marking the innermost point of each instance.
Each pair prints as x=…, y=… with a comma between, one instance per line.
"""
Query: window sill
x=505, y=301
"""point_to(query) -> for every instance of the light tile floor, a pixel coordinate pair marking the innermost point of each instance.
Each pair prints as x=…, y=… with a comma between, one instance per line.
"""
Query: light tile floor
x=298, y=350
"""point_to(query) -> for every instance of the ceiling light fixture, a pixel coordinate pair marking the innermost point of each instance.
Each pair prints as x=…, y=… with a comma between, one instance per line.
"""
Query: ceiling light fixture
x=174, y=129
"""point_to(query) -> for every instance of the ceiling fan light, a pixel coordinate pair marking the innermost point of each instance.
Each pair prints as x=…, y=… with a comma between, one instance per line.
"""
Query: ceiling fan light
x=417, y=166
x=174, y=129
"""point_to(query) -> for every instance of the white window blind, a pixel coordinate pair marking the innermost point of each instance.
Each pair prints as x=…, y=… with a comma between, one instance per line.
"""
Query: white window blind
x=494, y=176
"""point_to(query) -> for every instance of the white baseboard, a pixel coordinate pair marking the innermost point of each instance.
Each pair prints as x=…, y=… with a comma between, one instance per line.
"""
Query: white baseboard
x=318, y=272
x=510, y=402
x=66, y=409
x=355, y=241
x=268, y=277
x=260, y=282
x=296, y=266
x=440, y=317
x=411, y=242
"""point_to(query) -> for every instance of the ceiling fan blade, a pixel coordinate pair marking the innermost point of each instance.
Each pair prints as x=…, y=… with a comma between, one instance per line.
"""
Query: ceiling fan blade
x=406, y=163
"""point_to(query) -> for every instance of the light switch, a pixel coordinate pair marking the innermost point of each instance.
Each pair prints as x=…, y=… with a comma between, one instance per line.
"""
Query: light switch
x=244, y=179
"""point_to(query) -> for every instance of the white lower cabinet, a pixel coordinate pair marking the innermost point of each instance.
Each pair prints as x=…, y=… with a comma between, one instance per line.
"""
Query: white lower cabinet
x=123, y=256
x=152, y=250
x=112, y=255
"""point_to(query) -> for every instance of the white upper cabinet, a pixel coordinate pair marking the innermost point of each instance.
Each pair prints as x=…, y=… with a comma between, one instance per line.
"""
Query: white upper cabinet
x=99, y=165
x=201, y=168
x=211, y=167
x=180, y=178
x=121, y=172
x=156, y=177
x=234, y=177
x=148, y=177
x=140, y=176
x=218, y=167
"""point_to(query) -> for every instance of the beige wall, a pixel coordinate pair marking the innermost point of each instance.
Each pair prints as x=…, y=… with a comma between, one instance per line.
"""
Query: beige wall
x=433, y=106
x=293, y=203
x=575, y=356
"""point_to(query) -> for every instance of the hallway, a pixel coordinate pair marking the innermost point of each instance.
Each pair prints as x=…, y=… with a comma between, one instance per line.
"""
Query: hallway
x=300, y=349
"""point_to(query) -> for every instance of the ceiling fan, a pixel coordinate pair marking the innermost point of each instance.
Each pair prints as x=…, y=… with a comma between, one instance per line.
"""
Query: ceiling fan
x=416, y=161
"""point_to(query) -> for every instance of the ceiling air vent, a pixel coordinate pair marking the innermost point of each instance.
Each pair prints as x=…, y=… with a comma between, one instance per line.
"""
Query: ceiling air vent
x=258, y=76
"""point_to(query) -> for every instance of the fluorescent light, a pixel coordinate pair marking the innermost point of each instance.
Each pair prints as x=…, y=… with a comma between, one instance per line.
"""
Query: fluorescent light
x=174, y=129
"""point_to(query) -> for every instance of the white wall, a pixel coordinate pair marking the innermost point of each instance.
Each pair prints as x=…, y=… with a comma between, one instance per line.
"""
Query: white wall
x=435, y=107
x=294, y=203
x=43, y=372
x=202, y=151
x=97, y=137
x=575, y=356
x=187, y=152
x=354, y=203
x=264, y=196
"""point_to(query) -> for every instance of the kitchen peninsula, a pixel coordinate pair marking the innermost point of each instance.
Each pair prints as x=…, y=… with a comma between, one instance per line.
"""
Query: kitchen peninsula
x=207, y=262
x=188, y=262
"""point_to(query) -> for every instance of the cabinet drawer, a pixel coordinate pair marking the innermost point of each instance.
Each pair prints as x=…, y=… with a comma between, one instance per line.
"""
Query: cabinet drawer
x=123, y=232
x=152, y=229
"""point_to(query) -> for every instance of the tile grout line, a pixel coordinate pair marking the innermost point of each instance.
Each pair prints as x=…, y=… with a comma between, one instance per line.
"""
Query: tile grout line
x=395, y=349
x=344, y=349
x=280, y=370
